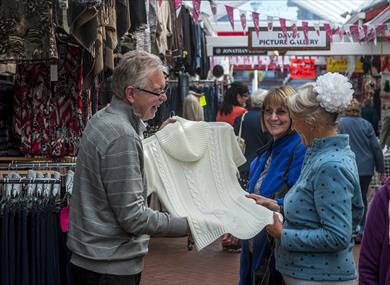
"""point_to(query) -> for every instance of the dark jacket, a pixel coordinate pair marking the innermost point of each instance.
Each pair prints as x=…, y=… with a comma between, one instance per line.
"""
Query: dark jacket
x=363, y=143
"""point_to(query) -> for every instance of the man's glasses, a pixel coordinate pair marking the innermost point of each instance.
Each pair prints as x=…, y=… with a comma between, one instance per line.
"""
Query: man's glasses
x=158, y=94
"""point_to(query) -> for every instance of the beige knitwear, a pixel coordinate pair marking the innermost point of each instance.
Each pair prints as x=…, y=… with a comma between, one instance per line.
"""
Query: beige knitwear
x=192, y=166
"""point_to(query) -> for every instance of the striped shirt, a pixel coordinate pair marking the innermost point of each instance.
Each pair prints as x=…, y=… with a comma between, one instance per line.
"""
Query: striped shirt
x=109, y=221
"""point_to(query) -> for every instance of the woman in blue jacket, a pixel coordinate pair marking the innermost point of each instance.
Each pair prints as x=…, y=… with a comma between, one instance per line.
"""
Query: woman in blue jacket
x=272, y=172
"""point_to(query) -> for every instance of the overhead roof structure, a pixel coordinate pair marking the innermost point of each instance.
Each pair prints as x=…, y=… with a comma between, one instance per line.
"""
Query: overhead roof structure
x=332, y=10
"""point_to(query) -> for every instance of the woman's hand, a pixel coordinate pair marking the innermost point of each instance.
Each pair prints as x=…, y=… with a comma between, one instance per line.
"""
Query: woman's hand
x=275, y=230
x=266, y=202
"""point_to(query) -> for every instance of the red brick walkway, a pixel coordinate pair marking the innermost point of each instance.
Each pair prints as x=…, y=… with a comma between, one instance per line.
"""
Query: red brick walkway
x=170, y=263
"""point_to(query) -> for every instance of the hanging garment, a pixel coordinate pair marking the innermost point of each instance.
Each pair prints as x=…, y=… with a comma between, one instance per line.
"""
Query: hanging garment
x=192, y=166
x=27, y=30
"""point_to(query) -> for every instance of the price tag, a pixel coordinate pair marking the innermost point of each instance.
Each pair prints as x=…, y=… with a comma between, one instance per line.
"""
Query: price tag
x=202, y=101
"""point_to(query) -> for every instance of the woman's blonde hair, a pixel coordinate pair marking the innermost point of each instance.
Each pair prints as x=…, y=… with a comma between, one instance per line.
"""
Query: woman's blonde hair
x=276, y=97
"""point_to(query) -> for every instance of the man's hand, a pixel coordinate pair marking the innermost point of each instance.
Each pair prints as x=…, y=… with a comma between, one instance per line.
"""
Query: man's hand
x=266, y=202
x=275, y=230
x=167, y=121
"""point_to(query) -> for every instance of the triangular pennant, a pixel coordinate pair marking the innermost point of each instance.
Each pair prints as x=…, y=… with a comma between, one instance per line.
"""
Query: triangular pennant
x=347, y=29
x=340, y=32
x=281, y=62
x=196, y=10
x=355, y=30
x=230, y=14
x=294, y=29
x=382, y=29
x=243, y=19
x=373, y=35
x=365, y=31
x=255, y=17
x=317, y=28
x=270, y=23
x=177, y=7
x=328, y=31
x=213, y=5
x=305, y=29
x=282, y=22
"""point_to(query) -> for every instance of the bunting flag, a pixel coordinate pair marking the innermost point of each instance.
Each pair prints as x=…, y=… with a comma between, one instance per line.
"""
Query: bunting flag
x=355, y=29
x=317, y=28
x=255, y=17
x=213, y=9
x=177, y=7
x=328, y=31
x=382, y=29
x=347, y=29
x=230, y=14
x=294, y=29
x=282, y=22
x=305, y=29
x=365, y=31
x=270, y=24
x=340, y=32
x=196, y=10
x=373, y=35
x=159, y=2
x=243, y=19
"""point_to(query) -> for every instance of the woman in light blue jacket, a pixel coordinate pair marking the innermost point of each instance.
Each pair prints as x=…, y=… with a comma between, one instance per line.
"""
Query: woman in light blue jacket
x=314, y=242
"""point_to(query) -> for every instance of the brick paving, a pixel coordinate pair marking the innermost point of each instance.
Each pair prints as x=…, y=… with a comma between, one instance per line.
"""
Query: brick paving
x=170, y=263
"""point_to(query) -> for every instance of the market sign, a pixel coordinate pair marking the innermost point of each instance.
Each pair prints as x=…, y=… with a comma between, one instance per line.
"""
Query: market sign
x=276, y=40
x=222, y=51
x=340, y=64
x=302, y=68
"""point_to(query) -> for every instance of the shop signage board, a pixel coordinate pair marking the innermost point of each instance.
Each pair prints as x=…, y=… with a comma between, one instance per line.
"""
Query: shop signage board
x=276, y=40
x=340, y=64
x=222, y=51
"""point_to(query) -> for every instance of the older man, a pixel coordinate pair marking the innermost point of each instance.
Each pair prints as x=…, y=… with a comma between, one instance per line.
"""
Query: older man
x=110, y=222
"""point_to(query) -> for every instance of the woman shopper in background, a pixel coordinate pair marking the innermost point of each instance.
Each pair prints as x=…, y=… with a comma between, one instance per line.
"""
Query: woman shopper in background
x=234, y=102
x=368, y=152
x=314, y=242
x=272, y=173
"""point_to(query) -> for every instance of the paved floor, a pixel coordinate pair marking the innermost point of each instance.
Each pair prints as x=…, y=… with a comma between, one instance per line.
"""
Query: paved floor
x=170, y=263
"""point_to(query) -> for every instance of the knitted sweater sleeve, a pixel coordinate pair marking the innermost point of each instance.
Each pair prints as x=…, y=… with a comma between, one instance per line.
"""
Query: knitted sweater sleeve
x=332, y=194
x=122, y=173
x=374, y=236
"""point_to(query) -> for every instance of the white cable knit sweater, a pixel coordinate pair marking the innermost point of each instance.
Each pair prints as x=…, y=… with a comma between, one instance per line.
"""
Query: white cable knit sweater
x=192, y=166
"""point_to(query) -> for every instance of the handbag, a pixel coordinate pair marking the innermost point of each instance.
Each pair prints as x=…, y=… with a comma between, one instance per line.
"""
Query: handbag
x=263, y=272
x=240, y=140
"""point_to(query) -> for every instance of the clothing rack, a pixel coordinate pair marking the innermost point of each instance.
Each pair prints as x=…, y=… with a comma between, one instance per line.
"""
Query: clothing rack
x=30, y=181
x=37, y=165
x=192, y=81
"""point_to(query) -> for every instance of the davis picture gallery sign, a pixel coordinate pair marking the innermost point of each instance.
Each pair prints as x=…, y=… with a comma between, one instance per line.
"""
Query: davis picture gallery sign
x=287, y=39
